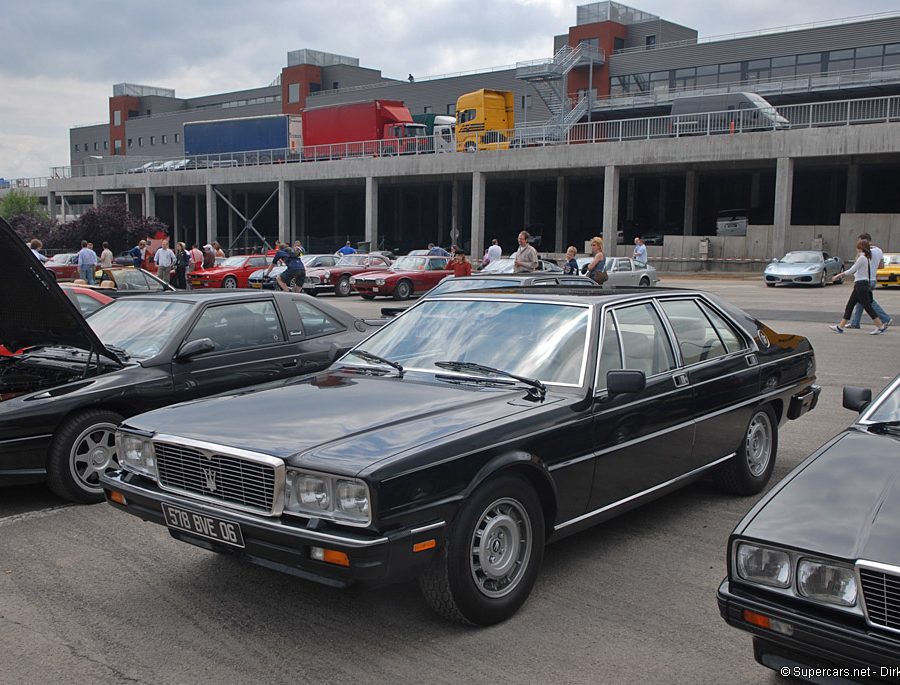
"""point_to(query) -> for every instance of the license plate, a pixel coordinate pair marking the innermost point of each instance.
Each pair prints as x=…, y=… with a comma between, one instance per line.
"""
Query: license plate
x=205, y=526
x=256, y=285
x=882, y=278
x=374, y=290
x=195, y=282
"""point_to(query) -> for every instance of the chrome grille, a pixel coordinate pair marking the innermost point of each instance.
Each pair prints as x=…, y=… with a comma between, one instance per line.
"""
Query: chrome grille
x=228, y=479
x=881, y=591
x=312, y=280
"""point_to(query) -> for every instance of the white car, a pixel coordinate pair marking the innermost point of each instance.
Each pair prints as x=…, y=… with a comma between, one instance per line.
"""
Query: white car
x=625, y=271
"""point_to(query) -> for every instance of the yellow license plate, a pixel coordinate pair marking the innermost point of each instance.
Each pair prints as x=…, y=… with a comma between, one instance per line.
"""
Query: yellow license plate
x=256, y=285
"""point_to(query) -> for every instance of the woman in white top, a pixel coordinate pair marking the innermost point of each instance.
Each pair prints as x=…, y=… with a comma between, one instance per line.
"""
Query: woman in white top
x=862, y=272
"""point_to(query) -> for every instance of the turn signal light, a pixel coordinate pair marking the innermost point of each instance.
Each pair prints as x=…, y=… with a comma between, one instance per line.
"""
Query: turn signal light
x=425, y=545
x=768, y=623
x=117, y=497
x=329, y=556
x=756, y=619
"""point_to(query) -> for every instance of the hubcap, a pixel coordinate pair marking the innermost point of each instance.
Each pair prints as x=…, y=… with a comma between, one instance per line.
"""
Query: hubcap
x=230, y=283
x=501, y=547
x=758, y=446
x=344, y=286
x=93, y=453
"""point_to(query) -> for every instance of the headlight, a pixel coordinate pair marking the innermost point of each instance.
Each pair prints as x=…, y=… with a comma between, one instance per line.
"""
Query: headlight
x=813, y=269
x=826, y=582
x=352, y=280
x=379, y=281
x=763, y=565
x=136, y=454
x=326, y=276
x=345, y=500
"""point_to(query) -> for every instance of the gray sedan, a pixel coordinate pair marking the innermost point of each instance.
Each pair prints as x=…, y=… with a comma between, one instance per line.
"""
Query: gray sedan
x=625, y=271
x=807, y=267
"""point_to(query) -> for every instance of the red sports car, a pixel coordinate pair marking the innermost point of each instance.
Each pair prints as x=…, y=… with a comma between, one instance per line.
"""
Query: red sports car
x=64, y=266
x=408, y=276
x=232, y=273
x=337, y=277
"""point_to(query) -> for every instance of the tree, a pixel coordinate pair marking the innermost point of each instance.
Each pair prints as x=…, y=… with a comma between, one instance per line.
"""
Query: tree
x=15, y=202
x=111, y=223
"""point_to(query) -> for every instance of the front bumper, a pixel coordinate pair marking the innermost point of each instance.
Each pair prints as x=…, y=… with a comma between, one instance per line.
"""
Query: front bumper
x=284, y=543
x=793, y=278
x=890, y=278
x=815, y=642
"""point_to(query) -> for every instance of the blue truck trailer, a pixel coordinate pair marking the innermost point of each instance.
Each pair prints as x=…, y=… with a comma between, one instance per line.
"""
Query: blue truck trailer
x=278, y=134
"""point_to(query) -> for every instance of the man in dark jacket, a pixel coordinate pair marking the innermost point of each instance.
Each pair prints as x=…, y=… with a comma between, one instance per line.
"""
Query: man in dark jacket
x=291, y=278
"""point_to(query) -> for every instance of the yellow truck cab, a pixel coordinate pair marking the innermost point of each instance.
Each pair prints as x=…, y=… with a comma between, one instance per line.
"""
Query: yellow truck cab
x=484, y=120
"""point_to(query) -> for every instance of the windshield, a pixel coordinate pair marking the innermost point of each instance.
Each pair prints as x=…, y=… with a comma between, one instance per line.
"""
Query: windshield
x=353, y=260
x=415, y=130
x=892, y=260
x=501, y=266
x=456, y=285
x=886, y=407
x=416, y=263
x=59, y=258
x=802, y=258
x=140, y=327
x=233, y=261
x=536, y=340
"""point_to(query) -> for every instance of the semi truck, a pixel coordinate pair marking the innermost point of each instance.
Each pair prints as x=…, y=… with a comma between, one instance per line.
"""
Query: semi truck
x=485, y=120
x=440, y=128
x=279, y=135
x=374, y=128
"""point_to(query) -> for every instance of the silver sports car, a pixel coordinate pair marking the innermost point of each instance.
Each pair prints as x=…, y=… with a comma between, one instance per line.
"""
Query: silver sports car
x=807, y=267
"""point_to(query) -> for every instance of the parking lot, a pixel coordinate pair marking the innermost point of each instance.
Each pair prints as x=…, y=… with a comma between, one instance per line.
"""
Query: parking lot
x=90, y=595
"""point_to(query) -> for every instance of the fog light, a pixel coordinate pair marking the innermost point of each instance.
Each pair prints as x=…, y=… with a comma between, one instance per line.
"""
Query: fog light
x=118, y=498
x=329, y=556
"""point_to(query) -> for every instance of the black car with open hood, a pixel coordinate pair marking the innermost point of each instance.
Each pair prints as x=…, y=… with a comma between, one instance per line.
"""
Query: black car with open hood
x=72, y=380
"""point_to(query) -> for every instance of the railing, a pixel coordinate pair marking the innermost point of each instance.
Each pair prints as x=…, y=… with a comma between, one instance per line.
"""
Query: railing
x=811, y=115
x=25, y=183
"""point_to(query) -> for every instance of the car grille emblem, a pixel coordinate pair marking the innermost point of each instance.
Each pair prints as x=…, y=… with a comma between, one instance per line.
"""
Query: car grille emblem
x=210, y=475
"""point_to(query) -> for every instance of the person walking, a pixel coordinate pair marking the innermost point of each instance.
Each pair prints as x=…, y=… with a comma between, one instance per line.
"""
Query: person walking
x=293, y=276
x=182, y=262
x=460, y=265
x=596, y=270
x=137, y=254
x=862, y=272
x=36, y=247
x=106, y=257
x=639, y=254
x=346, y=249
x=526, y=258
x=571, y=267
x=877, y=259
x=87, y=262
x=164, y=260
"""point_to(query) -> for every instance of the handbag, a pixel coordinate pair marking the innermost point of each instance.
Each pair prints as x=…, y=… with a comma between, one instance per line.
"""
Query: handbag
x=599, y=277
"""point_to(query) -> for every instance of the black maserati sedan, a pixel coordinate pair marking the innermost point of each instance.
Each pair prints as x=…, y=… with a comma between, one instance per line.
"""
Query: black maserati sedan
x=467, y=432
x=814, y=568
x=66, y=382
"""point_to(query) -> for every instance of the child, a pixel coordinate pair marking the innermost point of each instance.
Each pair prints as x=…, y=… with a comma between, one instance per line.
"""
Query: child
x=571, y=267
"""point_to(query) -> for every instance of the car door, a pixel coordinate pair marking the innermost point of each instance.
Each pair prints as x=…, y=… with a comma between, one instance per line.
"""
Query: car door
x=315, y=333
x=642, y=440
x=721, y=369
x=251, y=265
x=251, y=347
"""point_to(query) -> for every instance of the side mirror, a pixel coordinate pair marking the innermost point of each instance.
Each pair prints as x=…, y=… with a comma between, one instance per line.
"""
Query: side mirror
x=856, y=399
x=193, y=348
x=625, y=381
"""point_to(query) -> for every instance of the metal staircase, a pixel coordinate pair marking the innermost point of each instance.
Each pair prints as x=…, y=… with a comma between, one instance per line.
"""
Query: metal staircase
x=548, y=78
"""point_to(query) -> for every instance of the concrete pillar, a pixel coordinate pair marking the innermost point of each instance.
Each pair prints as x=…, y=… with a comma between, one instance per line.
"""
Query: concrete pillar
x=691, y=200
x=51, y=204
x=128, y=202
x=441, y=216
x=454, y=213
x=177, y=229
x=97, y=198
x=754, y=190
x=852, y=203
x=247, y=233
x=784, y=187
x=336, y=220
x=284, y=210
x=372, y=211
x=211, y=218
x=479, y=191
x=561, y=204
x=661, y=201
x=197, y=240
x=629, y=198
x=149, y=201
x=230, y=221
x=292, y=224
x=301, y=211
x=526, y=209
x=610, y=209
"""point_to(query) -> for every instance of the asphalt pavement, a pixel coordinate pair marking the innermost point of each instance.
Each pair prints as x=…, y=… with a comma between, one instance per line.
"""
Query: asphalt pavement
x=90, y=595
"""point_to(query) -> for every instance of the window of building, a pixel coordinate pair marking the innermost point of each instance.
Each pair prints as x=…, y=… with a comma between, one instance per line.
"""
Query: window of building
x=759, y=70
x=810, y=63
x=591, y=43
x=117, y=118
x=892, y=55
x=164, y=139
x=335, y=85
x=659, y=80
x=685, y=78
x=730, y=72
x=784, y=66
x=293, y=92
x=650, y=41
x=619, y=85
x=868, y=58
x=117, y=145
x=618, y=44
x=451, y=109
x=140, y=141
x=153, y=140
x=840, y=60
x=96, y=147
x=427, y=109
x=106, y=145
x=708, y=75
x=77, y=149
x=177, y=137
x=130, y=142
x=315, y=87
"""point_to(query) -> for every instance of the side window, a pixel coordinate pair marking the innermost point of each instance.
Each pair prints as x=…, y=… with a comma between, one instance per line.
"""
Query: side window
x=134, y=280
x=610, y=356
x=696, y=336
x=238, y=326
x=732, y=340
x=315, y=321
x=645, y=345
x=256, y=262
x=624, y=265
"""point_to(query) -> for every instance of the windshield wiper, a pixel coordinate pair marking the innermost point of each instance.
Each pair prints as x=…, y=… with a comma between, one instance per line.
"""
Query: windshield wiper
x=369, y=357
x=883, y=426
x=120, y=352
x=538, y=389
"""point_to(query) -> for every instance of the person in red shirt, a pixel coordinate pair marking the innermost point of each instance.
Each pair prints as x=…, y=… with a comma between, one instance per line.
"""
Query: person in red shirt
x=460, y=265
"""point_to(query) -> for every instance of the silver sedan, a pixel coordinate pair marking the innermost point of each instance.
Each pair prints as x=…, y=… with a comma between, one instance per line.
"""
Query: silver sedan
x=807, y=267
x=625, y=271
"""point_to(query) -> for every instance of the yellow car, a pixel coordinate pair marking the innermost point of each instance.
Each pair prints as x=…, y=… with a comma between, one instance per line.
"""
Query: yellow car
x=889, y=274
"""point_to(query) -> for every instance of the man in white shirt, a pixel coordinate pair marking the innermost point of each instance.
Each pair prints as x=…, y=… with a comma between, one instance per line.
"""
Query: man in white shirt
x=877, y=258
x=639, y=254
x=106, y=257
x=494, y=253
x=165, y=260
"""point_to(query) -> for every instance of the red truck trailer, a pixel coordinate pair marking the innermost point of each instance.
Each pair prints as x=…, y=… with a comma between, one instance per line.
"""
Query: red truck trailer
x=375, y=128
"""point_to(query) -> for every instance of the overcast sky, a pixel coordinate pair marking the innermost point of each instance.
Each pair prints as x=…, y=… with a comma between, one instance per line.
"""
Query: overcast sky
x=59, y=59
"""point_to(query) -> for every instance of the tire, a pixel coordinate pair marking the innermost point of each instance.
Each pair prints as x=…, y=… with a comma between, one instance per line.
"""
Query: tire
x=343, y=288
x=229, y=282
x=471, y=147
x=403, y=290
x=503, y=514
x=749, y=471
x=822, y=280
x=367, y=296
x=645, y=283
x=82, y=448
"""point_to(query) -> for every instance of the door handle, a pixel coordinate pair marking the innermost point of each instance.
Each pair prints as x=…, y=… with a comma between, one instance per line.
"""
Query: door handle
x=681, y=380
x=290, y=364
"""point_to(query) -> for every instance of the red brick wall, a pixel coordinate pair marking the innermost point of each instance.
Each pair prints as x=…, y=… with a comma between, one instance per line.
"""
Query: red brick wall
x=304, y=74
x=124, y=104
x=607, y=32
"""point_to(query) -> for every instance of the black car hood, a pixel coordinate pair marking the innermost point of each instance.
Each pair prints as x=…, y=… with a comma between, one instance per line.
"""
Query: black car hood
x=33, y=308
x=844, y=503
x=337, y=422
